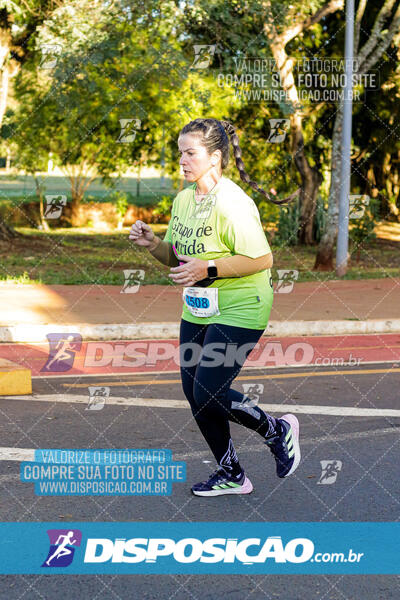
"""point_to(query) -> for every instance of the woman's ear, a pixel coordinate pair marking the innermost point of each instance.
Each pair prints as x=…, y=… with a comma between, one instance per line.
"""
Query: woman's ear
x=216, y=157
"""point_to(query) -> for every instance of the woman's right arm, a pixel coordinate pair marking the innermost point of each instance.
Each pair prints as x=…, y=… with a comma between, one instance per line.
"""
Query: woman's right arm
x=143, y=235
x=163, y=252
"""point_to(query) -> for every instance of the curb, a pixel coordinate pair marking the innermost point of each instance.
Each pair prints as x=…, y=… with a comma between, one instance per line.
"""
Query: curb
x=14, y=379
x=168, y=330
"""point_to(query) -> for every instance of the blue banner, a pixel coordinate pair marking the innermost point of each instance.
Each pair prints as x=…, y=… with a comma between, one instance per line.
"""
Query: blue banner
x=200, y=548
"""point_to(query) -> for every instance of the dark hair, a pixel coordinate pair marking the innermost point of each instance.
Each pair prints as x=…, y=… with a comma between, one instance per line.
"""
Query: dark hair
x=216, y=136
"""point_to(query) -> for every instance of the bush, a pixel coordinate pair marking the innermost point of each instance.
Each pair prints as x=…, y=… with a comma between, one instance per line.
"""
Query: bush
x=164, y=206
x=319, y=219
x=362, y=229
x=288, y=224
x=121, y=203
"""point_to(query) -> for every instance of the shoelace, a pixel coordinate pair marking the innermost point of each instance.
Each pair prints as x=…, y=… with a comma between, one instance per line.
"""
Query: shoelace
x=275, y=445
x=219, y=471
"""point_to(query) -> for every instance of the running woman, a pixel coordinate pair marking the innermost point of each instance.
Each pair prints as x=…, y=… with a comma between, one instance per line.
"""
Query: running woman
x=217, y=249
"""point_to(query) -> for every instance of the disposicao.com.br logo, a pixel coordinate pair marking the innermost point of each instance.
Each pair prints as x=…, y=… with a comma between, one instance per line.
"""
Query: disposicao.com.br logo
x=247, y=551
x=201, y=547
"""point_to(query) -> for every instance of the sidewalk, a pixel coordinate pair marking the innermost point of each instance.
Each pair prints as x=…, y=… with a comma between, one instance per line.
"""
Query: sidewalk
x=28, y=312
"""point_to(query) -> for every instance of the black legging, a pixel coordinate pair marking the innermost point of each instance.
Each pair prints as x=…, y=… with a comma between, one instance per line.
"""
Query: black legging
x=207, y=387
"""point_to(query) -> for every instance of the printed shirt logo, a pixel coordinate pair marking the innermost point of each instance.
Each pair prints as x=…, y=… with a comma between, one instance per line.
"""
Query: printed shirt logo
x=62, y=547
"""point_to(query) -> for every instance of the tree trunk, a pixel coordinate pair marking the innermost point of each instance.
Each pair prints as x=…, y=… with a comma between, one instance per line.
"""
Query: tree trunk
x=391, y=178
x=382, y=33
x=39, y=192
x=5, y=43
x=74, y=212
x=7, y=233
x=311, y=181
x=138, y=178
x=308, y=203
x=80, y=177
x=324, y=258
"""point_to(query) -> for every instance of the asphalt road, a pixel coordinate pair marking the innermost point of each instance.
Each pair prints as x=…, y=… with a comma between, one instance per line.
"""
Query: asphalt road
x=149, y=411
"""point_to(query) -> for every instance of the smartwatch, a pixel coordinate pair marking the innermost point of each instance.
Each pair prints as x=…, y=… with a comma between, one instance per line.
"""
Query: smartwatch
x=212, y=269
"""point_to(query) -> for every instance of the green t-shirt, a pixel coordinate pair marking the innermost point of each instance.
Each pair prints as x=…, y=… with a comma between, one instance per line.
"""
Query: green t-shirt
x=224, y=223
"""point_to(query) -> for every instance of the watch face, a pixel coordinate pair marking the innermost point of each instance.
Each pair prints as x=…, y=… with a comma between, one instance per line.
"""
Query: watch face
x=212, y=271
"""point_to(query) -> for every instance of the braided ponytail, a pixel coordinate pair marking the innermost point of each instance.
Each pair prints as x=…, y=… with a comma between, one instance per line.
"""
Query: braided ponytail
x=216, y=135
x=244, y=176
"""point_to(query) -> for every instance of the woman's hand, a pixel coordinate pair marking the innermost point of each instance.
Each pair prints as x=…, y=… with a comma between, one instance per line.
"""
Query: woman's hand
x=193, y=270
x=142, y=234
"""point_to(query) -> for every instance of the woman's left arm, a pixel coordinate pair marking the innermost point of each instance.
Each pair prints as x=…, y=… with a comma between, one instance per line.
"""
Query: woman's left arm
x=195, y=269
x=239, y=265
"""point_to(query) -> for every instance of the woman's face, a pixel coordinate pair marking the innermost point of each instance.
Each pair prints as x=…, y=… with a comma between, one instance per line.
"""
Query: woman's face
x=195, y=160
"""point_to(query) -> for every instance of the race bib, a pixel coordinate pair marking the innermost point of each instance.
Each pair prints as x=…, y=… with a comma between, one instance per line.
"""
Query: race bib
x=202, y=302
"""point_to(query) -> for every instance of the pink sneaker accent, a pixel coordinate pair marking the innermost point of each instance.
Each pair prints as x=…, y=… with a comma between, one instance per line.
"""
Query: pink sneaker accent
x=247, y=486
x=293, y=422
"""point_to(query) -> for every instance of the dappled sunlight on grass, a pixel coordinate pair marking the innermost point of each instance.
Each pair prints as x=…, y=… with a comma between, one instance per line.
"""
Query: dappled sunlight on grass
x=387, y=230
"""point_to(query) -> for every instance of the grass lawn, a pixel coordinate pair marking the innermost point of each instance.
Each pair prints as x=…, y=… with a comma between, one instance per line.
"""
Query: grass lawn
x=81, y=256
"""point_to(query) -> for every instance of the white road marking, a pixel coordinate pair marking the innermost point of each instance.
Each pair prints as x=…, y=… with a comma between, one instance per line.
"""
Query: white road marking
x=20, y=454
x=310, y=409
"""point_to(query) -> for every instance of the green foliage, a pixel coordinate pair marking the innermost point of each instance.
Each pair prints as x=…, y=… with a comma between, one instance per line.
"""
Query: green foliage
x=124, y=60
x=121, y=202
x=164, y=206
x=269, y=213
x=361, y=231
x=288, y=225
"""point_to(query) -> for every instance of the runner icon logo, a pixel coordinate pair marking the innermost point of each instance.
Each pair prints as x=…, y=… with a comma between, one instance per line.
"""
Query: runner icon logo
x=330, y=470
x=54, y=206
x=202, y=55
x=97, y=397
x=128, y=131
x=62, y=547
x=279, y=129
x=357, y=205
x=252, y=393
x=133, y=277
x=286, y=279
x=50, y=54
x=63, y=347
x=203, y=206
